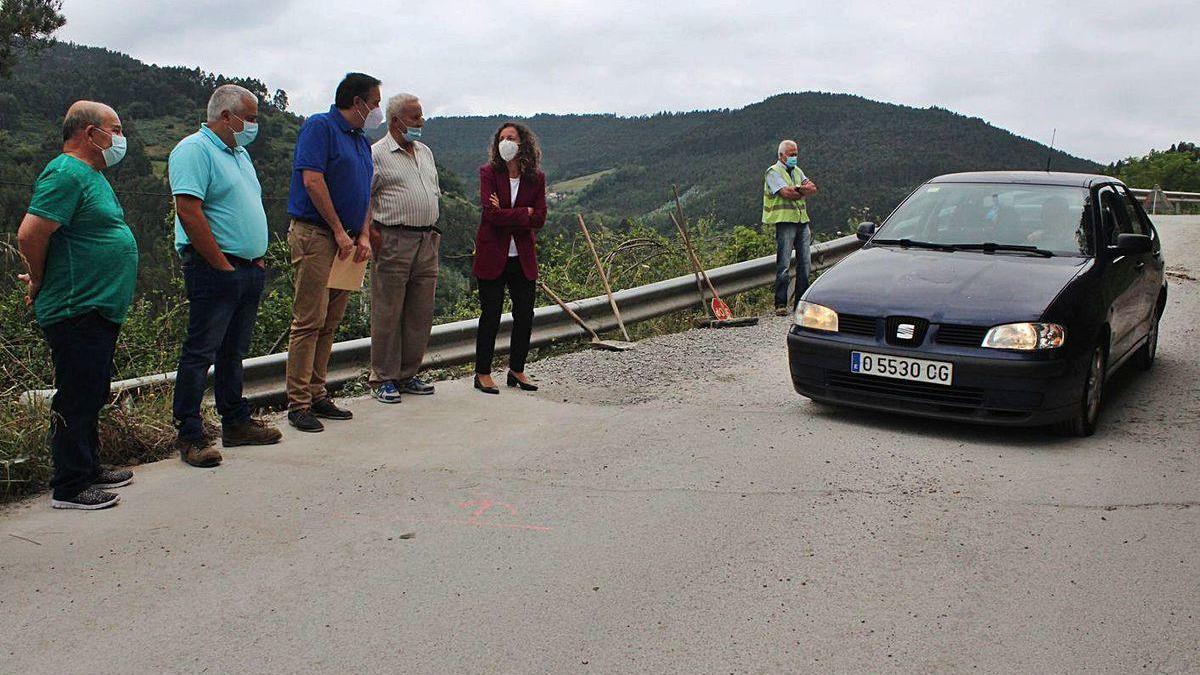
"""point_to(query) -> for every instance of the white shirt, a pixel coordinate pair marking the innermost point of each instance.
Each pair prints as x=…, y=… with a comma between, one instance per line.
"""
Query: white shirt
x=514, y=184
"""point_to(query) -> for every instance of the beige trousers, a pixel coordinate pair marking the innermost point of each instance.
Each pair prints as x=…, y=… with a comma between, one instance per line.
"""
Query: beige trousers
x=316, y=313
x=403, y=282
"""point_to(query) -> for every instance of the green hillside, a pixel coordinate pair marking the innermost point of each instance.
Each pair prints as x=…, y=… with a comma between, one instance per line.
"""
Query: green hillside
x=574, y=185
x=158, y=106
x=860, y=152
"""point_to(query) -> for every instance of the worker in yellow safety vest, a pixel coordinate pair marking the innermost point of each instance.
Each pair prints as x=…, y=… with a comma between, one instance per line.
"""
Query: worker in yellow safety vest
x=785, y=188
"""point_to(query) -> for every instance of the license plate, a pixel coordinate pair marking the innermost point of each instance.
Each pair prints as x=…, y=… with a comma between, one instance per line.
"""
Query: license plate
x=902, y=368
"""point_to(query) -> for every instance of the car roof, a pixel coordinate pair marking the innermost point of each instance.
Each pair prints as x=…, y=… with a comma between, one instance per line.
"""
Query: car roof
x=1085, y=180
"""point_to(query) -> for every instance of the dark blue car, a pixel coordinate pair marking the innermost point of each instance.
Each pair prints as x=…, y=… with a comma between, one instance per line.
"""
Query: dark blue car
x=1000, y=297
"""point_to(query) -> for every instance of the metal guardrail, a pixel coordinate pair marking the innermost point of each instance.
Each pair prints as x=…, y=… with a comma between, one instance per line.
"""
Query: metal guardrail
x=454, y=343
x=1156, y=199
x=1170, y=194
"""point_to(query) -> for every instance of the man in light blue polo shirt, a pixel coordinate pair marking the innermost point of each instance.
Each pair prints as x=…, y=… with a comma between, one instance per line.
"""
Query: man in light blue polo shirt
x=221, y=236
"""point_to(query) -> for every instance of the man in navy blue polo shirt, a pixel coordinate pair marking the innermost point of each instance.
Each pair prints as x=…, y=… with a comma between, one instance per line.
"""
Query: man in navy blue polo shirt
x=330, y=204
x=221, y=236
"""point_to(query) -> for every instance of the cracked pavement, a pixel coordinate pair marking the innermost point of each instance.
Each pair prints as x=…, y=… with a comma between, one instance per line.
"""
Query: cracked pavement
x=677, y=508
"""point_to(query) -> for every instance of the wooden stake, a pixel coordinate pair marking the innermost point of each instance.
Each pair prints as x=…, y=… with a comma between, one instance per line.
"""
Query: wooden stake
x=603, y=276
x=693, y=264
x=570, y=312
x=687, y=241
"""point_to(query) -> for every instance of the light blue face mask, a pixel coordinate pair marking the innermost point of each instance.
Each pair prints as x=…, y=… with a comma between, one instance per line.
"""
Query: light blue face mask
x=248, y=133
x=413, y=134
x=114, y=153
x=791, y=162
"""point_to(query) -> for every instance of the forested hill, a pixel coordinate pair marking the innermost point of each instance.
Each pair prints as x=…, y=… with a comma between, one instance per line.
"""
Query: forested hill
x=158, y=107
x=860, y=152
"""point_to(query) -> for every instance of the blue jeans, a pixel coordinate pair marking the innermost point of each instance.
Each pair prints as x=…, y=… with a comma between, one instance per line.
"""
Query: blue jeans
x=221, y=313
x=789, y=237
x=82, y=350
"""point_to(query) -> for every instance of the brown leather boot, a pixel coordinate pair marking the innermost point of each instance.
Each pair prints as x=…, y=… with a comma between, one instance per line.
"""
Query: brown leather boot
x=249, y=432
x=197, y=452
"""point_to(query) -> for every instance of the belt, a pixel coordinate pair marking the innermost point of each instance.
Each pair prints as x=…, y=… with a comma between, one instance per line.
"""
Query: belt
x=411, y=228
x=233, y=259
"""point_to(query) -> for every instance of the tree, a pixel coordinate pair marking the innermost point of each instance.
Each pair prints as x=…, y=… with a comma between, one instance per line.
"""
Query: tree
x=280, y=101
x=25, y=26
x=1175, y=169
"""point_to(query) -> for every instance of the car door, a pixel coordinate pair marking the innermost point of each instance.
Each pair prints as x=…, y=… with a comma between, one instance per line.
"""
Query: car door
x=1122, y=273
x=1153, y=266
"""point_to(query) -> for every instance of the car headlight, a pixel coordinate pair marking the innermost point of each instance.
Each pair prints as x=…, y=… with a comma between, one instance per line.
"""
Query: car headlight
x=1025, y=336
x=816, y=317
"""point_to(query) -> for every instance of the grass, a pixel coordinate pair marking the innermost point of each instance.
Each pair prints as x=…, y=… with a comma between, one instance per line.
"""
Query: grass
x=137, y=429
x=132, y=431
x=578, y=183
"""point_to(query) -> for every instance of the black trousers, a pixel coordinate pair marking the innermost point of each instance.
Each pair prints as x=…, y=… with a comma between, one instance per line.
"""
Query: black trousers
x=491, y=301
x=82, y=350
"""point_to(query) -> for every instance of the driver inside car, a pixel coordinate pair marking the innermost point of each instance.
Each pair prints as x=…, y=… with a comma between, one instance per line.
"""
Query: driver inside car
x=1059, y=228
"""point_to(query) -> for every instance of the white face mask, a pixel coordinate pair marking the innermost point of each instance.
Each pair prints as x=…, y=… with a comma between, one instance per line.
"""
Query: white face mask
x=373, y=118
x=508, y=149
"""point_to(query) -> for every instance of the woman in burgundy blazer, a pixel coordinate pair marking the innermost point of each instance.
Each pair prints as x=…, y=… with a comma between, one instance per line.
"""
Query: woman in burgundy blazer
x=505, y=249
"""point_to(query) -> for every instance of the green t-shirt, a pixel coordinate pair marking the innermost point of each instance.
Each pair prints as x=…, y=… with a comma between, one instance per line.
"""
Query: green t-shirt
x=93, y=258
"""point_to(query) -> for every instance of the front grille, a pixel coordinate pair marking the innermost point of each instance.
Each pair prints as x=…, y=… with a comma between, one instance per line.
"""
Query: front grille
x=963, y=336
x=903, y=389
x=906, y=331
x=855, y=324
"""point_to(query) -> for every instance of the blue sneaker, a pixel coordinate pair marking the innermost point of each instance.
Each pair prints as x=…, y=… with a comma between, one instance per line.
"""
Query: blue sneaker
x=387, y=392
x=418, y=387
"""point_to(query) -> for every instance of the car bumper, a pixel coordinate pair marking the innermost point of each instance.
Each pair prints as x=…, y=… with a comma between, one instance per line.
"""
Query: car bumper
x=1006, y=389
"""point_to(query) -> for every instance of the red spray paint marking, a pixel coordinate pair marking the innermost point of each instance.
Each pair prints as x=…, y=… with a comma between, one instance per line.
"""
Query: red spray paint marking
x=476, y=519
x=482, y=506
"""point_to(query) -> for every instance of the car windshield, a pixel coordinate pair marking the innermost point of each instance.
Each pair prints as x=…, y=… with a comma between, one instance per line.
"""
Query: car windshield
x=1049, y=217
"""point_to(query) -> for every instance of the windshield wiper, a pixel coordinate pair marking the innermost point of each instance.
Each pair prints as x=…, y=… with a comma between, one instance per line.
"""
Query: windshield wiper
x=992, y=247
x=915, y=243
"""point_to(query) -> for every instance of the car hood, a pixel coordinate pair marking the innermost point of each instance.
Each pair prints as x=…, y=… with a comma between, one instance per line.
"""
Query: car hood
x=964, y=287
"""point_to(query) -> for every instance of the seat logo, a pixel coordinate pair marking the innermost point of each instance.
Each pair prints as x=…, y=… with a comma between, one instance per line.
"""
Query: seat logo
x=905, y=331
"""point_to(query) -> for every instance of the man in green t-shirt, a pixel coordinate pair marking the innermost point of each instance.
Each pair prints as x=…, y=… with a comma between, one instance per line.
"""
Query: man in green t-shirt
x=82, y=261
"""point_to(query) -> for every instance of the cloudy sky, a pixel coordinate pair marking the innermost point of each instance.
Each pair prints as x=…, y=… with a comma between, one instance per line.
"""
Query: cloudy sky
x=1115, y=78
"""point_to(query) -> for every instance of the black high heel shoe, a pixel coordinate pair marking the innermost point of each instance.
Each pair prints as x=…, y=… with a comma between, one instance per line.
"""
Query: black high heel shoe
x=525, y=386
x=486, y=390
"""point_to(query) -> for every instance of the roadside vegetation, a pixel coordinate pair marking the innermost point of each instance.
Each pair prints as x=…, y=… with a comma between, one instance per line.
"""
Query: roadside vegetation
x=137, y=428
x=1176, y=169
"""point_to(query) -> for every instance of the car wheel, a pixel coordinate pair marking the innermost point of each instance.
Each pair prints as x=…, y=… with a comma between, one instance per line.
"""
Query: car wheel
x=1144, y=359
x=1087, y=413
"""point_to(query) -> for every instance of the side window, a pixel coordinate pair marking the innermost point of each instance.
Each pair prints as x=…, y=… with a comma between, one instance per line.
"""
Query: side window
x=1114, y=216
x=1137, y=218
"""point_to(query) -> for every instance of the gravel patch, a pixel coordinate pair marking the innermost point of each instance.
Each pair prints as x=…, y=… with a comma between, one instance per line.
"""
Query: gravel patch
x=661, y=368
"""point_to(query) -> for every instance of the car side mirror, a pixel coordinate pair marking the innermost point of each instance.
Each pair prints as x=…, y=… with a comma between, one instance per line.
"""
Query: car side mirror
x=1133, y=244
x=866, y=231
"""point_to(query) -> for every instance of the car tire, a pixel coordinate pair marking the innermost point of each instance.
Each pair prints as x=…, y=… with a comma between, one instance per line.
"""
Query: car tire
x=1087, y=412
x=1144, y=358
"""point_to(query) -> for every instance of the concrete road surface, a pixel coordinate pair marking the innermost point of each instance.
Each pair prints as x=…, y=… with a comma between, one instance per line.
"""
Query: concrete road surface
x=673, y=509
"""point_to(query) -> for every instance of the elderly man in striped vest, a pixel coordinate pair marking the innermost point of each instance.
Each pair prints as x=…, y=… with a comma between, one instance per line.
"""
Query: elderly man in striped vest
x=405, y=239
x=785, y=188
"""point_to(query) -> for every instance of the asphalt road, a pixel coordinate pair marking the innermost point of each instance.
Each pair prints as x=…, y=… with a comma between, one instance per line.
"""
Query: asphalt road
x=674, y=509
